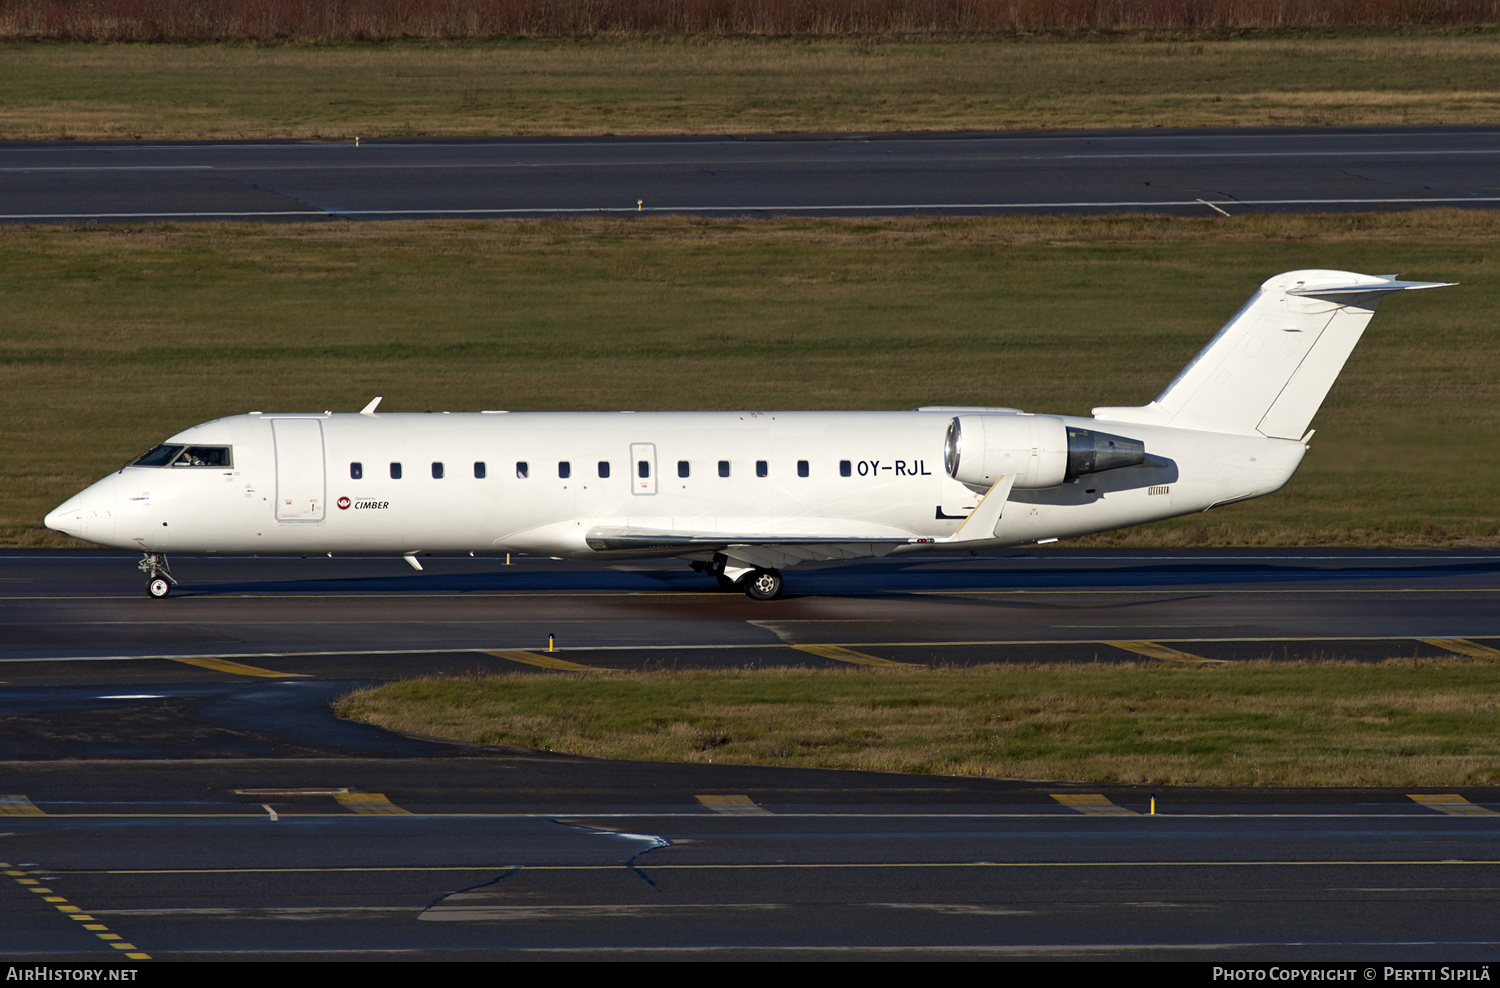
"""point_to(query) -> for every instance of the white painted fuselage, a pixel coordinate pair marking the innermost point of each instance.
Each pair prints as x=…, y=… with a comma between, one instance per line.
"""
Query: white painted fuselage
x=896, y=488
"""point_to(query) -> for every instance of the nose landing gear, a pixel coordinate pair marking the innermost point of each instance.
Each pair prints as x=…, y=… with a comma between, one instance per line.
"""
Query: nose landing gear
x=158, y=575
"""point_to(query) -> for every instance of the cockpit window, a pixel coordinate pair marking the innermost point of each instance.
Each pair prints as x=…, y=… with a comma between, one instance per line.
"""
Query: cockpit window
x=204, y=456
x=158, y=457
x=187, y=456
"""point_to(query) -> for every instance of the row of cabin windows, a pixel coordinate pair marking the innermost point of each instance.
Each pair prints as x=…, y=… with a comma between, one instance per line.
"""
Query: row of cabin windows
x=565, y=469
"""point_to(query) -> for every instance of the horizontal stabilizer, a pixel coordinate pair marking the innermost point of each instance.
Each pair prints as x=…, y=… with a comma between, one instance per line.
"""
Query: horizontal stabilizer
x=1389, y=283
x=1269, y=368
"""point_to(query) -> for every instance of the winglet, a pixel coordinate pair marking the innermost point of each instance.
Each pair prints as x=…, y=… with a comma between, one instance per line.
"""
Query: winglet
x=370, y=408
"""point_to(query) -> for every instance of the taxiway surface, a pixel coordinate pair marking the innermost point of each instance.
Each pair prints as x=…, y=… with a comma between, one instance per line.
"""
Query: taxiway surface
x=175, y=787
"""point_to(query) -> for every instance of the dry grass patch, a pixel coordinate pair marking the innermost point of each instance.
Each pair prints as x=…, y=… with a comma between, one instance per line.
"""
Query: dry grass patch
x=640, y=85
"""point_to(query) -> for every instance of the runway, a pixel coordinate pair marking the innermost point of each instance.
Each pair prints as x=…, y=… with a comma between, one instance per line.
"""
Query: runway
x=175, y=787
x=1192, y=173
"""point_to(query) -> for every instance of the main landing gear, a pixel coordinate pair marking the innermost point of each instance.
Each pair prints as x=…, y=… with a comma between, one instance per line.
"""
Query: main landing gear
x=159, y=581
x=757, y=584
x=762, y=584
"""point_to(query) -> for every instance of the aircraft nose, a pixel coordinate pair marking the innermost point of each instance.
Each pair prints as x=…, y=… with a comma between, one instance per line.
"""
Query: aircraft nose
x=88, y=515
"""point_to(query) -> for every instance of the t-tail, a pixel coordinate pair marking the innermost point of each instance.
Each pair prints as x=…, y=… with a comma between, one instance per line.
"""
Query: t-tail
x=1269, y=369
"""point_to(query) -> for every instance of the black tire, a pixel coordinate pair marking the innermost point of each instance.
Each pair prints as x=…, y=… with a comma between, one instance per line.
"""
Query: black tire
x=159, y=588
x=725, y=583
x=763, y=584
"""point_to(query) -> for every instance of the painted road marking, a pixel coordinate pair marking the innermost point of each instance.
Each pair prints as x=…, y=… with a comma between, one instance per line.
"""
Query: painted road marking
x=1091, y=804
x=239, y=668
x=726, y=646
x=491, y=869
x=541, y=660
x=1154, y=650
x=18, y=806
x=842, y=654
x=1450, y=803
x=1463, y=647
x=370, y=804
x=733, y=805
x=313, y=791
x=73, y=912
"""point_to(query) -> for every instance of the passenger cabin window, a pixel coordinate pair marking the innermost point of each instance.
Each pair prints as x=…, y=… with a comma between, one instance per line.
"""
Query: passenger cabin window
x=437, y=471
x=603, y=468
x=564, y=469
x=682, y=468
x=356, y=471
x=478, y=469
x=186, y=456
x=521, y=469
x=846, y=469
x=395, y=471
x=802, y=468
x=643, y=468
x=723, y=468
x=762, y=468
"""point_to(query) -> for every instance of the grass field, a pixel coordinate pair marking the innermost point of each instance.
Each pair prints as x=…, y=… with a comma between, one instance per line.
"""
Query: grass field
x=634, y=85
x=116, y=337
x=1397, y=723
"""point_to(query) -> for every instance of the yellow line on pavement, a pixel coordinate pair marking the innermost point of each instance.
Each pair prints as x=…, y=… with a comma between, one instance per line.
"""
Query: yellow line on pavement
x=1092, y=804
x=1464, y=647
x=239, y=668
x=1154, y=650
x=842, y=654
x=539, y=659
x=370, y=804
x=72, y=912
x=1450, y=803
x=19, y=806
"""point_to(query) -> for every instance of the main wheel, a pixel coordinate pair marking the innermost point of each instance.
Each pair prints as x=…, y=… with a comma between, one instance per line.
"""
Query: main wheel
x=158, y=588
x=763, y=584
x=725, y=583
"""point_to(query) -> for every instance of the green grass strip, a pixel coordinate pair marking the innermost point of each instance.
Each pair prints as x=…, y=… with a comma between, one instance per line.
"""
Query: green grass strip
x=1396, y=723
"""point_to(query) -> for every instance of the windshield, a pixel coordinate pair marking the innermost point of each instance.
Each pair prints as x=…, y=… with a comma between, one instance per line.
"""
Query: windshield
x=186, y=456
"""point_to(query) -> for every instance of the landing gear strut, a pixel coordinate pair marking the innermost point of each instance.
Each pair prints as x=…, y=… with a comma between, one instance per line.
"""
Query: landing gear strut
x=158, y=575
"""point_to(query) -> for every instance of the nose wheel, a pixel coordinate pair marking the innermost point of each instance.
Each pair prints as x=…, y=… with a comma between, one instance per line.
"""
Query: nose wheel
x=159, y=581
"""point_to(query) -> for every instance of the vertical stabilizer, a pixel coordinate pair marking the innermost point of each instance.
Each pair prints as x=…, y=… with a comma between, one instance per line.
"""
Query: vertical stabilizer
x=1270, y=367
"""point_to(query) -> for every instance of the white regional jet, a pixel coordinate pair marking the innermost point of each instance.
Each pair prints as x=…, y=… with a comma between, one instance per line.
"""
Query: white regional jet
x=743, y=495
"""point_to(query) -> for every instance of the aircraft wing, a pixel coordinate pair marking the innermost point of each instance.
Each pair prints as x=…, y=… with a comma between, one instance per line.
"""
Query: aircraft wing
x=774, y=551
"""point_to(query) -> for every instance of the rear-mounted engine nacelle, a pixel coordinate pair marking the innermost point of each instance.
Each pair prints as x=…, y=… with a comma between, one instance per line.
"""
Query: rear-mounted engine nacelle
x=1037, y=449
